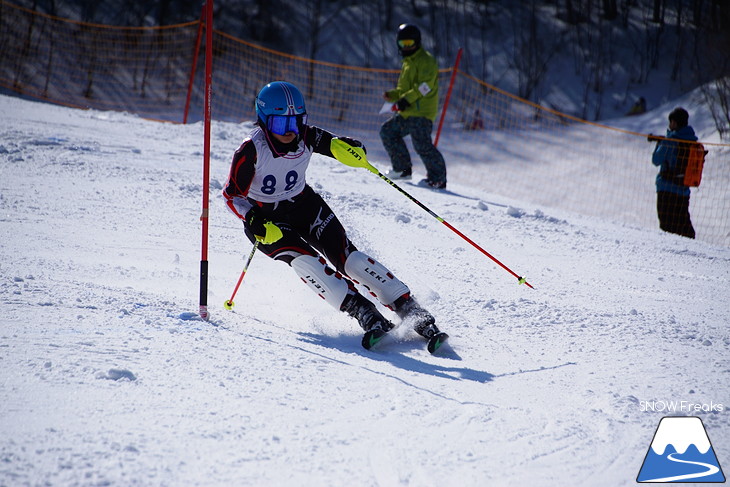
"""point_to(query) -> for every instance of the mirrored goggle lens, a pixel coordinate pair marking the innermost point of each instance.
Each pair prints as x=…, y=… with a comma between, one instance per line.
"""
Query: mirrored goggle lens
x=406, y=43
x=281, y=124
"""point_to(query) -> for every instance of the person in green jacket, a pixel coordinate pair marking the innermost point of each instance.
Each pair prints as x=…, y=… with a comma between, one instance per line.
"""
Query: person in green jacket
x=415, y=103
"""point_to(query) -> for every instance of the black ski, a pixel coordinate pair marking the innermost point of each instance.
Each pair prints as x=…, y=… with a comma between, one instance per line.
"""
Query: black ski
x=372, y=337
x=435, y=342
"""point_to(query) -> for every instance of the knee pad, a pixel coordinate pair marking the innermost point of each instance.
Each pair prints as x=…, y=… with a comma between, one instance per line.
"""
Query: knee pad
x=375, y=277
x=322, y=279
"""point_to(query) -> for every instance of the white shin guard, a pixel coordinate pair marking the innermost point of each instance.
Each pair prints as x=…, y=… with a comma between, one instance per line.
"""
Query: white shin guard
x=324, y=281
x=370, y=273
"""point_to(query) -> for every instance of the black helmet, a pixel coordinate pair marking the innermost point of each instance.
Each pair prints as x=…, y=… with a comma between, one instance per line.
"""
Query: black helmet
x=406, y=33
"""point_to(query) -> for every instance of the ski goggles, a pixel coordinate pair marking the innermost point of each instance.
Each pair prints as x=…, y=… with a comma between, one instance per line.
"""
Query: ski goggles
x=281, y=124
x=406, y=43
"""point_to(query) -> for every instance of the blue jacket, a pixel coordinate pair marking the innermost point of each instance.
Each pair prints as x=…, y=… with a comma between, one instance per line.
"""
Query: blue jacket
x=665, y=156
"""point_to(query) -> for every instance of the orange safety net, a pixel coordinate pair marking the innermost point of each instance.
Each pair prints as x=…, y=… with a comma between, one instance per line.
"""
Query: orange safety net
x=514, y=148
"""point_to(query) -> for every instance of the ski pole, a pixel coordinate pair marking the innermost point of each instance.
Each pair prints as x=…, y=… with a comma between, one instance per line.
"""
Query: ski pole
x=229, y=304
x=355, y=157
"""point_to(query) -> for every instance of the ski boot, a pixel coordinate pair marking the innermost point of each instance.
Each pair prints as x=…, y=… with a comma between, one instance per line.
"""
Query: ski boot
x=422, y=321
x=370, y=319
x=395, y=174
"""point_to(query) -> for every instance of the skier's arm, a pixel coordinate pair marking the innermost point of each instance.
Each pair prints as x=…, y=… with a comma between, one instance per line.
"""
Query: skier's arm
x=321, y=140
x=240, y=178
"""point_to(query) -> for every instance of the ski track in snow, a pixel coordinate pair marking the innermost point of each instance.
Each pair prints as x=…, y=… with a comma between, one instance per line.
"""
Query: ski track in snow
x=107, y=376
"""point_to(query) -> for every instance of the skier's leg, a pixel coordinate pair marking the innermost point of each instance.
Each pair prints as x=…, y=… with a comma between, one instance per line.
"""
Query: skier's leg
x=390, y=291
x=312, y=225
x=336, y=290
x=322, y=279
x=316, y=223
x=373, y=275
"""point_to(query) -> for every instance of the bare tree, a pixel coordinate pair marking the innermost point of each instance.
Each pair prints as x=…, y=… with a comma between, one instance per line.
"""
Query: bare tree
x=711, y=58
x=532, y=52
x=658, y=13
x=610, y=9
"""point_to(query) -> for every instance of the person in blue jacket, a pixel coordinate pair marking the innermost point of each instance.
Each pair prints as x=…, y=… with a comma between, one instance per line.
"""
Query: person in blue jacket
x=671, y=157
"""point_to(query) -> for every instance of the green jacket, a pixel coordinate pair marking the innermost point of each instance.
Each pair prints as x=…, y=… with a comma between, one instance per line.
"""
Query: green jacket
x=418, y=83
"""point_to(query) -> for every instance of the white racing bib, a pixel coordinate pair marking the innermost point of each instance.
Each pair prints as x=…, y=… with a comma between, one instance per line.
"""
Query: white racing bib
x=277, y=178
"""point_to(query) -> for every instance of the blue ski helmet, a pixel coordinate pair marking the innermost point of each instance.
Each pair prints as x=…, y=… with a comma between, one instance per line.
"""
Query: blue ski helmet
x=280, y=108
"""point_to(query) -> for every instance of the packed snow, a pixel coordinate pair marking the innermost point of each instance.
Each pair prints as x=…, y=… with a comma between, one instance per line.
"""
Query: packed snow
x=108, y=376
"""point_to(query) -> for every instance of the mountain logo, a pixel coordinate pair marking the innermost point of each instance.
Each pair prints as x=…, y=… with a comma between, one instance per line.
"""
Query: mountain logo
x=681, y=452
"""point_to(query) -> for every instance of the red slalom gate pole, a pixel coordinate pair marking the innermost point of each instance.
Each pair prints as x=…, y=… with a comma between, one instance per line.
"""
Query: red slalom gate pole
x=206, y=159
x=448, y=95
x=195, y=64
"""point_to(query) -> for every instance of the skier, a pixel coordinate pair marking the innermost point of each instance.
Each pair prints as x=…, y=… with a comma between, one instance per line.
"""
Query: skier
x=266, y=188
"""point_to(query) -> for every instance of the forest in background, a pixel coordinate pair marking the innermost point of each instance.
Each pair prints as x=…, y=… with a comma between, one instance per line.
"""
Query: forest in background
x=587, y=58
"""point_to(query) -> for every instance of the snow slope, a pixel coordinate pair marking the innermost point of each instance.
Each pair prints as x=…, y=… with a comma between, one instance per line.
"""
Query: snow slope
x=107, y=377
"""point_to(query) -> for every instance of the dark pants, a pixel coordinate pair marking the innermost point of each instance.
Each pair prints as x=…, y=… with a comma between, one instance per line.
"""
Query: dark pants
x=673, y=211
x=392, y=133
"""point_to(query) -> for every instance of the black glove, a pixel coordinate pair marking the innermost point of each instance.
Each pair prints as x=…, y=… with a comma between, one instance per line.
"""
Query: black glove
x=255, y=223
x=402, y=104
x=353, y=143
x=263, y=230
x=652, y=138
